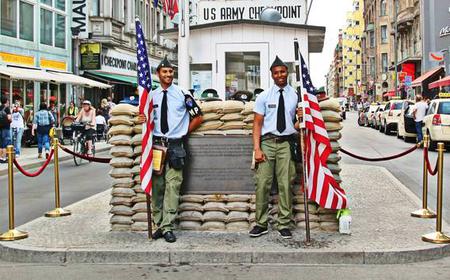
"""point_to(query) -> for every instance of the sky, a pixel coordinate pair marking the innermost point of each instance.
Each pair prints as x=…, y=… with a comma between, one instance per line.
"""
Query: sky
x=332, y=15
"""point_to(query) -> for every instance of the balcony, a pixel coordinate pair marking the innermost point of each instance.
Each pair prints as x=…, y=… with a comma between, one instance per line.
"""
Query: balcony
x=370, y=27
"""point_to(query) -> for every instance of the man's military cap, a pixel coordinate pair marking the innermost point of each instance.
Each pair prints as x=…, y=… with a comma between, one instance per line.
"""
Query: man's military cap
x=242, y=95
x=210, y=94
x=164, y=63
x=278, y=62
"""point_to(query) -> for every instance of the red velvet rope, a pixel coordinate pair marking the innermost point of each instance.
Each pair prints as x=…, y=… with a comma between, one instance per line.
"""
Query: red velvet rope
x=41, y=169
x=425, y=155
x=410, y=150
x=94, y=159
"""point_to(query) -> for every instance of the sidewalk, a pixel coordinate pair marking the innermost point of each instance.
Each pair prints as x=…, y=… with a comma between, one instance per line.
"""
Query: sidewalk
x=28, y=158
x=383, y=232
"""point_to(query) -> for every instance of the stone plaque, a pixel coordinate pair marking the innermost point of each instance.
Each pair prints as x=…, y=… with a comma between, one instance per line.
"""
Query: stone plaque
x=219, y=165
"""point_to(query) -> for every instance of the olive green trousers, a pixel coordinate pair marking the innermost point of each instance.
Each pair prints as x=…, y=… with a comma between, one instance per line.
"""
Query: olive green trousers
x=278, y=161
x=166, y=197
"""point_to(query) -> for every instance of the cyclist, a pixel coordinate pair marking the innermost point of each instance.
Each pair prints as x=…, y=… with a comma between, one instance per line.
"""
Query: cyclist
x=87, y=116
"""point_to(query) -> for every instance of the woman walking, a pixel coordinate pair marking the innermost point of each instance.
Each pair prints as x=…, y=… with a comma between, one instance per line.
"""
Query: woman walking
x=17, y=127
x=43, y=121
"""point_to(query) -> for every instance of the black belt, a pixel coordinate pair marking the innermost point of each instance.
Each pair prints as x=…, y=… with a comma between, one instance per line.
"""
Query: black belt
x=277, y=138
x=167, y=141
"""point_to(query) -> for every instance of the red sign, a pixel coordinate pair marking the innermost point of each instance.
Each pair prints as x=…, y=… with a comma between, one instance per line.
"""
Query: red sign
x=409, y=69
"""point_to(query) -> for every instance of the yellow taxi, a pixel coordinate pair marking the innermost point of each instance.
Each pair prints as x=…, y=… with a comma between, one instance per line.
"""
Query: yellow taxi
x=436, y=123
x=390, y=116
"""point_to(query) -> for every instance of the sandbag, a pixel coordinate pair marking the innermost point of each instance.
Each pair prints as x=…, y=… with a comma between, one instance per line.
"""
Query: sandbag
x=330, y=104
x=123, y=220
x=300, y=208
x=192, y=198
x=236, y=216
x=138, y=189
x=116, y=200
x=333, y=126
x=140, y=217
x=237, y=226
x=120, y=140
x=337, y=178
x=331, y=116
x=122, y=192
x=139, y=226
x=237, y=206
x=213, y=226
x=238, y=198
x=120, y=129
x=300, y=217
x=190, y=206
x=140, y=207
x=121, y=210
x=232, y=125
x=137, y=129
x=119, y=227
x=334, y=135
x=232, y=117
x=122, y=183
x=137, y=151
x=137, y=160
x=252, y=217
x=139, y=197
x=190, y=216
x=329, y=226
x=214, y=198
x=214, y=216
x=121, y=151
x=119, y=162
x=215, y=206
x=321, y=210
x=135, y=170
x=236, y=132
x=335, y=146
x=190, y=225
x=137, y=177
x=136, y=140
x=312, y=225
x=232, y=106
x=248, y=108
x=211, y=117
x=328, y=218
x=333, y=158
x=212, y=106
x=121, y=119
x=210, y=125
x=249, y=119
x=120, y=173
x=125, y=109
x=334, y=168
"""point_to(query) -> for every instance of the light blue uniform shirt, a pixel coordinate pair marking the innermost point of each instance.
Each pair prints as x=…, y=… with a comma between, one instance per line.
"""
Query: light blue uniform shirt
x=267, y=105
x=177, y=113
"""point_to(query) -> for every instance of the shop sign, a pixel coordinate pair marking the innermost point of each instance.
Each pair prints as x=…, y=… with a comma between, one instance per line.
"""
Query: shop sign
x=292, y=11
x=17, y=59
x=53, y=64
x=445, y=31
x=80, y=17
x=90, y=56
x=116, y=62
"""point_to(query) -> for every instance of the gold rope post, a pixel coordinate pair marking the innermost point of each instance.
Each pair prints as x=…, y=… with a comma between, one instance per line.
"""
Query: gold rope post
x=12, y=234
x=438, y=236
x=424, y=212
x=58, y=211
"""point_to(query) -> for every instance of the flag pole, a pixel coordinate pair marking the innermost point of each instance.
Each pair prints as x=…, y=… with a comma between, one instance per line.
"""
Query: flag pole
x=149, y=216
x=183, y=46
x=302, y=141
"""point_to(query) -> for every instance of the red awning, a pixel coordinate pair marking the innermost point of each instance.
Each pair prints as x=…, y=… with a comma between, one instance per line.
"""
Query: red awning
x=440, y=83
x=390, y=93
x=418, y=82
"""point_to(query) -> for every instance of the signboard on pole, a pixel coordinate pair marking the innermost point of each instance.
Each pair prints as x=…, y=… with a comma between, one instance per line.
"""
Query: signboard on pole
x=90, y=56
x=292, y=11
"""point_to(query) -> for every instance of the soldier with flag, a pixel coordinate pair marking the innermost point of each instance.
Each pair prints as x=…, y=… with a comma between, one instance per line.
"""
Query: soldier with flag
x=274, y=132
x=175, y=114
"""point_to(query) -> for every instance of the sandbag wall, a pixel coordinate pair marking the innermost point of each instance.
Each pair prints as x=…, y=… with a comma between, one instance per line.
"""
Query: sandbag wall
x=206, y=212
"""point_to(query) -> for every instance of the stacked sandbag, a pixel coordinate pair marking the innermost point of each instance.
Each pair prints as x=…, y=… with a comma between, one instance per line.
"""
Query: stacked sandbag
x=128, y=205
x=333, y=122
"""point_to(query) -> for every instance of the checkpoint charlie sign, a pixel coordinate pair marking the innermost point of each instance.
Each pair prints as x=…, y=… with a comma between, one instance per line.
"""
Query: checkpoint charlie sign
x=292, y=11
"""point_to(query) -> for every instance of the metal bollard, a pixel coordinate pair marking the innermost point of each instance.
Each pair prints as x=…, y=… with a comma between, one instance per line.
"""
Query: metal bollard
x=12, y=234
x=438, y=236
x=58, y=211
x=424, y=212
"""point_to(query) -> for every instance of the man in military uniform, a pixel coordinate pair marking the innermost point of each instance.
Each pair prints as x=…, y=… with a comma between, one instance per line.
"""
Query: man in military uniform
x=274, y=128
x=176, y=114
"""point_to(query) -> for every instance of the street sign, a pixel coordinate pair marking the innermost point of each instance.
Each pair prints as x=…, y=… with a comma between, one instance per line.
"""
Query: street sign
x=436, y=56
x=408, y=81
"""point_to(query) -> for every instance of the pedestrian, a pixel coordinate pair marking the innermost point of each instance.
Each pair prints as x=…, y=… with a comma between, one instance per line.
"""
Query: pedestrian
x=42, y=123
x=110, y=102
x=72, y=111
x=419, y=112
x=87, y=117
x=17, y=127
x=5, y=127
x=274, y=131
x=176, y=115
x=105, y=109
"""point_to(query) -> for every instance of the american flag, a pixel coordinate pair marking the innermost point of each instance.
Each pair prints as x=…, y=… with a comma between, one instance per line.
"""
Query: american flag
x=322, y=187
x=155, y=3
x=170, y=7
x=146, y=108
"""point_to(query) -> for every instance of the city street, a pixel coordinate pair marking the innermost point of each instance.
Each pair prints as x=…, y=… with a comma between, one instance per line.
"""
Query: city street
x=35, y=196
x=368, y=142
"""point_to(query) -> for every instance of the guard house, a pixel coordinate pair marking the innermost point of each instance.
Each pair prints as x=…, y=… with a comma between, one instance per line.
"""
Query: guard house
x=231, y=55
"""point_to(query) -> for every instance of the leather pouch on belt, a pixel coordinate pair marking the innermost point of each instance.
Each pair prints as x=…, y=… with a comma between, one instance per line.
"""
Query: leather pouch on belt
x=177, y=156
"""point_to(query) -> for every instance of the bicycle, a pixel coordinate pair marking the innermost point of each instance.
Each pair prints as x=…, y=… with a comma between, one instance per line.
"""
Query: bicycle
x=80, y=143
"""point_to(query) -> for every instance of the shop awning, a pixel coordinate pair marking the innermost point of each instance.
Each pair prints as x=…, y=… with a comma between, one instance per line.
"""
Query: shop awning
x=418, y=82
x=38, y=75
x=118, y=78
x=440, y=83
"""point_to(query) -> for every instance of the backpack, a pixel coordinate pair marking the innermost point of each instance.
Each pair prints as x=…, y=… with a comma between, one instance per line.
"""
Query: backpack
x=3, y=118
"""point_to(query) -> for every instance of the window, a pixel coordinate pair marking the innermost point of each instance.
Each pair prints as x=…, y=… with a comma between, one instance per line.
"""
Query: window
x=384, y=62
x=242, y=72
x=46, y=27
x=357, y=22
x=46, y=2
x=384, y=38
x=372, y=66
x=60, y=31
x=9, y=18
x=383, y=8
x=61, y=4
x=372, y=39
x=95, y=7
x=117, y=10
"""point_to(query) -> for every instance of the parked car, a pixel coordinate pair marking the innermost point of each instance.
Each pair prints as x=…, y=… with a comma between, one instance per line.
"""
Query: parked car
x=406, y=125
x=378, y=116
x=371, y=114
x=437, y=122
x=362, y=119
x=390, y=116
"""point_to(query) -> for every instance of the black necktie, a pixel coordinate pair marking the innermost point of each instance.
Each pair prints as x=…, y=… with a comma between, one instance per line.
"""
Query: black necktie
x=281, y=118
x=164, y=123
